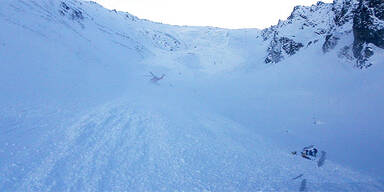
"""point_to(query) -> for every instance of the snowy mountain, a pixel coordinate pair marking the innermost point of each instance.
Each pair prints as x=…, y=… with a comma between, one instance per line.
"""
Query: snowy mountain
x=351, y=28
x=93, y=99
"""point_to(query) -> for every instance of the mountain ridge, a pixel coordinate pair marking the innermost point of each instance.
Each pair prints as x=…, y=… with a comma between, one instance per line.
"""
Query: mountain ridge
x=329, y=23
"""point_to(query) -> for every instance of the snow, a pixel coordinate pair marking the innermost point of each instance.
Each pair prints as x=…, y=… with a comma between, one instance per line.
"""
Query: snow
x=78, y=111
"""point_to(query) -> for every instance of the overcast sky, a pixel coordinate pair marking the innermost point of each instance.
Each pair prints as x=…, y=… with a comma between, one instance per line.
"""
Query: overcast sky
x=218, y=13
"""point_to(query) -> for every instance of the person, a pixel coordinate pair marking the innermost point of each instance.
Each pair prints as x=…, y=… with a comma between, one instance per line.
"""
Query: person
x=309, y=152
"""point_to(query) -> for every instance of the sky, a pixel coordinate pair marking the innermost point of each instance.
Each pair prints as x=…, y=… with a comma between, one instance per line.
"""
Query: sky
x=218, y=13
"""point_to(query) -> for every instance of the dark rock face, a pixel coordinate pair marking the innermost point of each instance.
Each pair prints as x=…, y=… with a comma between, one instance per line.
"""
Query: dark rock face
x=281, y=46
x=362, y=52
x=330, y=42
x=368, y=27
x=366, y=22
x=290, y=46
x=343, y=15
x=274, y=52
x=330, y=23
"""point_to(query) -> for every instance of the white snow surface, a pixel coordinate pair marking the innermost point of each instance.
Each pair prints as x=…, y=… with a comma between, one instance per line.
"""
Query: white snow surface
x=78, y=111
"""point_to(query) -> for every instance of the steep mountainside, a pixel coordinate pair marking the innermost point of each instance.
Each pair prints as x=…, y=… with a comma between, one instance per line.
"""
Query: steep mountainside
x=353, y=29
x=93, y=99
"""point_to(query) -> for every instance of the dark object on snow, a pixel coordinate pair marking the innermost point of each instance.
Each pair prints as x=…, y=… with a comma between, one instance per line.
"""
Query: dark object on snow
x=304, y=156
x=294, y=152
x=303, y=185
x=322, y=159
x=155, y=78
x=309, y=152
x=297, y=177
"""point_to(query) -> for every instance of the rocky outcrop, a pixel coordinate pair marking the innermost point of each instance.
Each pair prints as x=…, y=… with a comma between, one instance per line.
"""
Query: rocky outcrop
x=330, y=43
x=281, y=47
x=343, y=11
x=286, y=38
x=330, y=24
x=368, y=29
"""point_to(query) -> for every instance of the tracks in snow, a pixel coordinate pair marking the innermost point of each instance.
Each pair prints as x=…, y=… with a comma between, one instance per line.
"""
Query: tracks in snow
x=120, y=147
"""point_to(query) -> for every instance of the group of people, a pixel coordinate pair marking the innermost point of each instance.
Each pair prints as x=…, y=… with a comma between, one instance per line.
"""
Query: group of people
x=310, y=153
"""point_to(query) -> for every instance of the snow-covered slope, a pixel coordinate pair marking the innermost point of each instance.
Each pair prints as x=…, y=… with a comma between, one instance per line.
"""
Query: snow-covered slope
x=78, y=111
x=352, y=29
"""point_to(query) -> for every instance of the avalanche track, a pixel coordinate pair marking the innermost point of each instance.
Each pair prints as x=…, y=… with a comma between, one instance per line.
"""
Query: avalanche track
x=78, y=111
x=124, y=147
